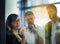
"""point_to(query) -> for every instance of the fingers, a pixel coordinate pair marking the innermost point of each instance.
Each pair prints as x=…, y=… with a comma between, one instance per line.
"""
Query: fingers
x=24, y=32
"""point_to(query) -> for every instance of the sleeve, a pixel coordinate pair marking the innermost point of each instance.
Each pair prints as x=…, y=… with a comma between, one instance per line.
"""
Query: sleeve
x=19, y=37
x=46, y=31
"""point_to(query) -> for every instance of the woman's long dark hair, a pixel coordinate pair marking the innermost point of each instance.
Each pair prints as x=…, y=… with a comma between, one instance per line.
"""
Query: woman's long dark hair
x=10, y=19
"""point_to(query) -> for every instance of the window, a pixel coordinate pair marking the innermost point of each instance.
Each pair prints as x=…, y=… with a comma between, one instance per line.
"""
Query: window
x=40, y=12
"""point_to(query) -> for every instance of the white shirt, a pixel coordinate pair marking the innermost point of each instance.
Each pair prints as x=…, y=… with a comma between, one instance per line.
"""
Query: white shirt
x=54, y=31
x=30, y=36
x=54, y=26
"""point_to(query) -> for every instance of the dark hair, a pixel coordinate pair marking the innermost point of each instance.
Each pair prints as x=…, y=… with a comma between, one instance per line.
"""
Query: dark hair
x=29, y=13
x=10, y=19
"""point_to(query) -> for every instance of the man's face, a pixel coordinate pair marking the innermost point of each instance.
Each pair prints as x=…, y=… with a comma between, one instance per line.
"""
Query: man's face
x=30, y=19
x=52, y=13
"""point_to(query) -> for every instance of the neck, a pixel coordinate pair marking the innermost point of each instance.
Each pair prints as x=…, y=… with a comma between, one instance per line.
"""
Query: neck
x=55, y=20
x=15, y=32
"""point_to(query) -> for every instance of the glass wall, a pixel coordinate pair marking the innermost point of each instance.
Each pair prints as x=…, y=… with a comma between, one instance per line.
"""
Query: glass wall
x=40, y=12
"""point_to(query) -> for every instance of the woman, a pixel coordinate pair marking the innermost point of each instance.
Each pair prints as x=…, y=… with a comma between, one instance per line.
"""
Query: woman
x=12, y=30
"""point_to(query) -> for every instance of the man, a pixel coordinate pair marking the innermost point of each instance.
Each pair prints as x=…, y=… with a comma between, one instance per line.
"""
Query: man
x=51, y=28
x=33, y=31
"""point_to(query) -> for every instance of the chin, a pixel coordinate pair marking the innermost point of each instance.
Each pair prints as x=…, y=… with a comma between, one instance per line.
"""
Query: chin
x=17, y=27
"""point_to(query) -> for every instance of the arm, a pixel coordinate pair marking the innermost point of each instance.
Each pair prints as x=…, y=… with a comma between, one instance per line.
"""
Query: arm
x=48, y=30
x=46, y=33
x=38, y=38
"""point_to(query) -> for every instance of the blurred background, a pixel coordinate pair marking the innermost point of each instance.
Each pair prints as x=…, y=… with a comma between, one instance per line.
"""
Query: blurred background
x=18, y=7
x=21, y=6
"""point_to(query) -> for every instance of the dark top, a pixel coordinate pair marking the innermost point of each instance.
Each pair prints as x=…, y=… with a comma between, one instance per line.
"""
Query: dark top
x=12, y=39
